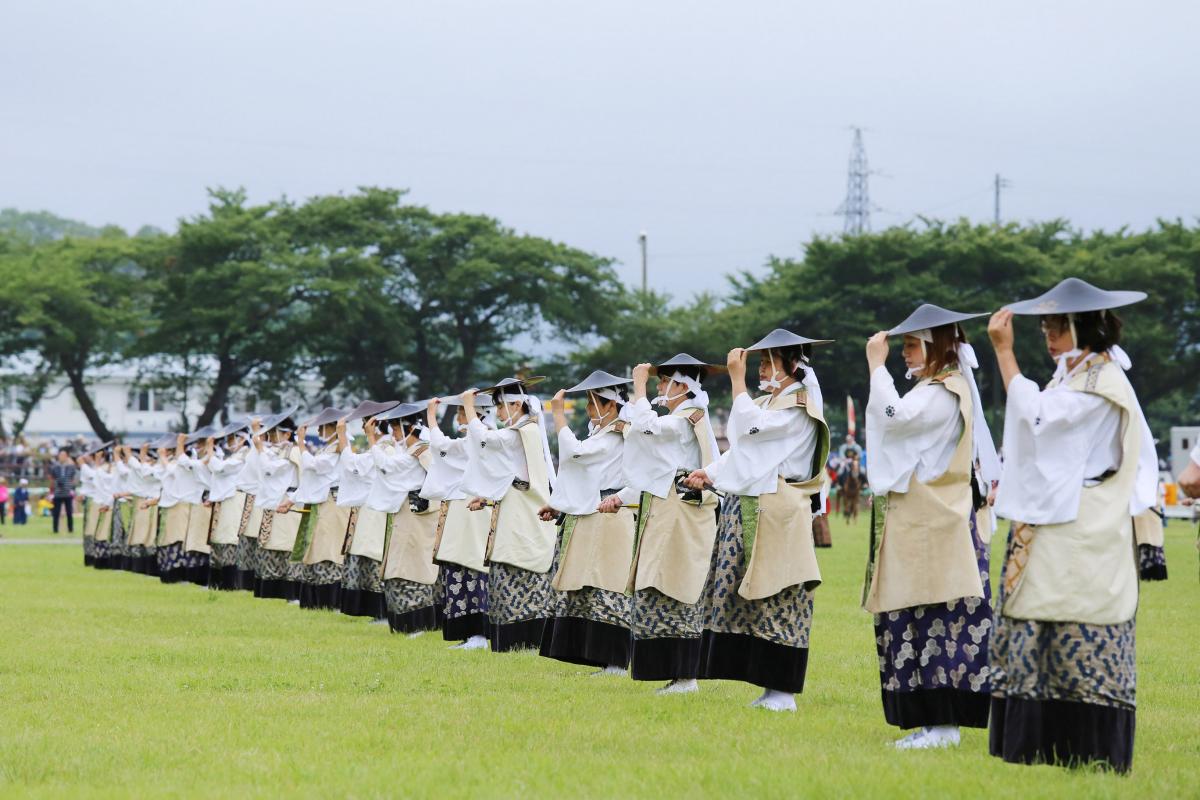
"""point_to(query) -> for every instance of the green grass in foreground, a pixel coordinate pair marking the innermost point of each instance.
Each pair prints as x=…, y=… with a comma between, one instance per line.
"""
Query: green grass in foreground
x=112, y=684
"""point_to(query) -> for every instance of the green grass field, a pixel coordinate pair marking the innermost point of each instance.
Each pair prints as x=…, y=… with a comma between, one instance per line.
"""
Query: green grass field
x=112, y=684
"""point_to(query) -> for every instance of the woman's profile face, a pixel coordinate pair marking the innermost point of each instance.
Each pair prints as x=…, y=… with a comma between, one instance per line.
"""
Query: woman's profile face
x=1057, y=334
x=914, y=353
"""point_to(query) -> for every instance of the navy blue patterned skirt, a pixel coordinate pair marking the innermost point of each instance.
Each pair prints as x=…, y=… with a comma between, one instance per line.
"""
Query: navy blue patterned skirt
x=933, y=659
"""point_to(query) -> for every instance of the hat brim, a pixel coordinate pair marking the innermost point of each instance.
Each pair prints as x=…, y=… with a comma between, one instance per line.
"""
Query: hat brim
x=524, y=382
x=1042, y=306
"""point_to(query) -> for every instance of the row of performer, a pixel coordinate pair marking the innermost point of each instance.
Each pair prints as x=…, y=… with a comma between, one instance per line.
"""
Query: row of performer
x=647, y=551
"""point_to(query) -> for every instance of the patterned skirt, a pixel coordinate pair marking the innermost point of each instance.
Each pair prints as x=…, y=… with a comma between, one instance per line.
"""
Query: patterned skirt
x=271, y=575
x=222, y=567
x=1152, y=563
x=175, y=565
x=1063, y=692
x=933, y=659
x=247, y=557
x=410, y=606
x=118, y=546
x=362, y=589
x=320, y=584
x=518, y=603
x=762, y=642
x=464, y=603
x=666, y=637
x=589, y=626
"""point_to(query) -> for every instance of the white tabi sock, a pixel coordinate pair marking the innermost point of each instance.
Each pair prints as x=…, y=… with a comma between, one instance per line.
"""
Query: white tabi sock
x=776, y=701
x=611, y=669
x=681, y=686
x=476, y=642
x=382, y=621
x=293, y=602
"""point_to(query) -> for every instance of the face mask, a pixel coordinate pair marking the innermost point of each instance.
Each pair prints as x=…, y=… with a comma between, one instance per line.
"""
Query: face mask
x=913, y=372
x=664, y=399
x=772, y=383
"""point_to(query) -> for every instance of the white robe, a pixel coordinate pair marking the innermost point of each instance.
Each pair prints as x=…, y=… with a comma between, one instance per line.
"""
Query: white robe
x=494, y=460
x=1056, y=440
x=655, y=449
x=764, y=445
x=584, y=469
x=911, y=435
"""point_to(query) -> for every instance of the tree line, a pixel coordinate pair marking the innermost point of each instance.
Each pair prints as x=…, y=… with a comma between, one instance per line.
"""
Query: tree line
x=377, y=297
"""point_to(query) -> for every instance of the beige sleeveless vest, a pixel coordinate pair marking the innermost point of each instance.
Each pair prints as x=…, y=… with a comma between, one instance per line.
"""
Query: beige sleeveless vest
x=673, y=548
x=597, y=549
x=174, y=527
x=228, y=520
x=1148, y=528
x=370, y=530
x=462, y=535
x=1084, y=570
x=780, y=552
x=199, y=520
x=926, y=554
x=409, y=552
x=518, y=537
x=141, y=533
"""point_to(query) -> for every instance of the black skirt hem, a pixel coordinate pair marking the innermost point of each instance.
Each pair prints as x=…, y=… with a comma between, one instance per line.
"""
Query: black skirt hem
x=1061, y=732
x=419, y=619
x=274, y=588
x=586, y=642
x=665, y=658
x=742, y=657
x=245, y=580
x=1156, y=573
x=197, y=574
x=523, y=635
x=223, y=578
x=174, y=575
x=363, y=603
x=462, y=628
x=929, y=707
x=321, y=596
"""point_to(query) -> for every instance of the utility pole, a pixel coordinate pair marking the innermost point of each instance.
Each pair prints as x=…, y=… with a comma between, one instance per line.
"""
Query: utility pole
x=1001, y=183
x=856, y=208
x=642, y=242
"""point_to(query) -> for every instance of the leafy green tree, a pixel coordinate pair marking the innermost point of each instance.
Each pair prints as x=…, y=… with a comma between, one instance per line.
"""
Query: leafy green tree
x=74, y=305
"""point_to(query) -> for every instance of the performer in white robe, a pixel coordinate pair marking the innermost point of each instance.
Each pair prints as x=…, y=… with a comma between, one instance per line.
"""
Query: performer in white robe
x=510, y=475
x=145, y=485
x=758, y=602
x=103, y=487
x=278, y=463
x=317, y=557
x=592, y=614
x=224, y=464
x=362, y=580
x=928, y=585
x=1079, y=465
x=86, y=490
x=409, y=574
x=461, y=534
x=180, y=491
x=677, y=525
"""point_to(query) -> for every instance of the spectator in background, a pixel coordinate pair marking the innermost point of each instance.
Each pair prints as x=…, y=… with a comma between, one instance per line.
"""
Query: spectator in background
x=3, y=500
x=21, y=503
x=63, y=477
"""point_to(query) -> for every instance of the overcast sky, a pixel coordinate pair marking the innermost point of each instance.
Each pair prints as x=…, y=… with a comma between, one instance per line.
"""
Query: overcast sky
x=722, y=129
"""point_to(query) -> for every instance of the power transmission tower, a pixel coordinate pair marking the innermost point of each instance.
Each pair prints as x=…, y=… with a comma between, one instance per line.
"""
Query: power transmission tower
x=856, y=208
x=1001, y=183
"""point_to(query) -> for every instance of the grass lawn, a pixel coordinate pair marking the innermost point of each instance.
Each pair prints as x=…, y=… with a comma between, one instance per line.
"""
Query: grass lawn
x=112, y=684
x=39, y=527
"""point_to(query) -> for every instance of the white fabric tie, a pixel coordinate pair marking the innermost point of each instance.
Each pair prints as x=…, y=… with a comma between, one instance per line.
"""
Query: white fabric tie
x=535, y=410
x=985, y=448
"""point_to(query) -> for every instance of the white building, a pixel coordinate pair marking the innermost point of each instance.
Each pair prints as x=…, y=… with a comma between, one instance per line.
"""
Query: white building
x=130, y=409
